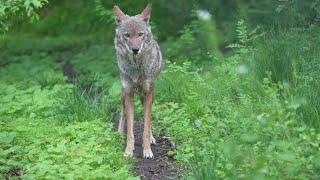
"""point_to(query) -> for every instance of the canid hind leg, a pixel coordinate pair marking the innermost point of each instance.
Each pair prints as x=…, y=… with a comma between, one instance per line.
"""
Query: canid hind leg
x=153, y=140
x=122, y=119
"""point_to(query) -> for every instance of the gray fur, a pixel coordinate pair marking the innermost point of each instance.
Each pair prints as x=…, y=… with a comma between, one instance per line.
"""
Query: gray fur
x=139, y=71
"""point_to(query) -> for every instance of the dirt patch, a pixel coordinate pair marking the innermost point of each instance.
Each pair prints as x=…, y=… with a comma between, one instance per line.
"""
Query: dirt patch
x=225, y=49
x=68, y=70
x=161, y=166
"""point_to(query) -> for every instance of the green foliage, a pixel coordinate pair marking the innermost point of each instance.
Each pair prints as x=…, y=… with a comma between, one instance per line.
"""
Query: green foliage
x=316, y=7
x=10, y=10
x=235, y=121
x=48, y=130
x=105, y=14
x=82, y=150
x=292, y=58
x=244, y=37
x=249, y=112
x=192, y=45
x=225, y=128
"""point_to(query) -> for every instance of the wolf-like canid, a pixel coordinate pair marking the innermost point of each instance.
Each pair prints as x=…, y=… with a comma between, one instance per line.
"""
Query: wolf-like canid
x=140, y=61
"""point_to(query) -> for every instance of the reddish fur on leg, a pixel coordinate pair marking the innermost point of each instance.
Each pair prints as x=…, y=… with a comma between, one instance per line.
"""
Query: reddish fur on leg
x=147, y=153
x=129, y=111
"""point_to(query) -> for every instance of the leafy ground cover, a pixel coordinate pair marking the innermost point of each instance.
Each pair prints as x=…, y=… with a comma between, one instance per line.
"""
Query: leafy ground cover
x=48, y=130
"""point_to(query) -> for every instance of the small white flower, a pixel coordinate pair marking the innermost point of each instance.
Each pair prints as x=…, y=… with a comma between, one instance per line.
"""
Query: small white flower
x=197, y=123
x=203, y=15
x=242, y=69
x=286, y=85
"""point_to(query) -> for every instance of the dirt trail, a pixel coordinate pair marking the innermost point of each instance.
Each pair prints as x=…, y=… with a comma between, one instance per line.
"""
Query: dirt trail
x=68, y=70
x=161, y=166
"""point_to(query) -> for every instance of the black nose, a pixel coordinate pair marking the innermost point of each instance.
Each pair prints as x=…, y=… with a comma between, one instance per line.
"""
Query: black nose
x=135, y=51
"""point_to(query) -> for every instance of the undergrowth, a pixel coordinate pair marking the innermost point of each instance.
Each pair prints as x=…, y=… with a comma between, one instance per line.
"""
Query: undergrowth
x=247, y=115
x=229, y=119
x=240, y=119
x=49, y=130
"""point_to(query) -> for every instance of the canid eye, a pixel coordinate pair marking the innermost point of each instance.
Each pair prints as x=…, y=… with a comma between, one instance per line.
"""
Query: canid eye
x=127, y=35
x=140, y=34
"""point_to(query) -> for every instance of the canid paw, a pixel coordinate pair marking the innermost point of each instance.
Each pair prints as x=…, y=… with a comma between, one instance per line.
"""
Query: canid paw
x=128, y=152
x=147, y=153
x=153, y=141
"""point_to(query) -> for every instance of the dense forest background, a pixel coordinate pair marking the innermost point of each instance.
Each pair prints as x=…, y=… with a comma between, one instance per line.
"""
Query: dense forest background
x=83, y=17
x=240, y=95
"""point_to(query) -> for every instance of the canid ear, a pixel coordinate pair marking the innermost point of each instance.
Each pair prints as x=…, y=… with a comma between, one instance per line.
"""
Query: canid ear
x=118, y=14
x=146, y=13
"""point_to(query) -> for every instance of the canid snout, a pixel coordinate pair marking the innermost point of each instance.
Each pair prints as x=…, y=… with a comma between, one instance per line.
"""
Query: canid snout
x=135, y=50
x=135, y=45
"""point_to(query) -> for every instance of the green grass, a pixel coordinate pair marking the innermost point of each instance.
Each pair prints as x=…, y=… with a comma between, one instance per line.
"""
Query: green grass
x=292, y=58
x=225, y=129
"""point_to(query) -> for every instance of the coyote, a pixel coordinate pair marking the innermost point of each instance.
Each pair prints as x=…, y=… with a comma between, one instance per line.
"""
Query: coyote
x=140, y=61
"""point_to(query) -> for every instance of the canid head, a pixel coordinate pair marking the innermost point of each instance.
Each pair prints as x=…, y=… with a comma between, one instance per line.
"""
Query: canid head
x=133, y=32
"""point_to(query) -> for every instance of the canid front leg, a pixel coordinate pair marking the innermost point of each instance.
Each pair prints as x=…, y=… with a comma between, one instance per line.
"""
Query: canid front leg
x=129, y=112
x=148, y=100
x=152, y=139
